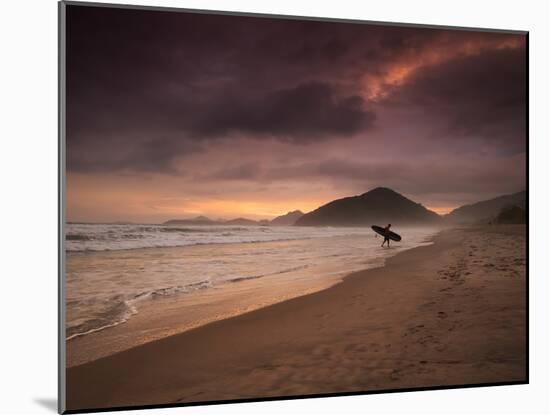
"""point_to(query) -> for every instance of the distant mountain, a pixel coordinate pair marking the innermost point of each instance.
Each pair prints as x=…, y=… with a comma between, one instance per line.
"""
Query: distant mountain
x=204, y=221
x=288, y=219
x=486, y=210
x=378, y=206
x=199, y=220
x=241, y=222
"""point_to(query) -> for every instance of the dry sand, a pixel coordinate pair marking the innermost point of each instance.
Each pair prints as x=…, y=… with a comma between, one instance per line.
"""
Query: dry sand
x=451, y=313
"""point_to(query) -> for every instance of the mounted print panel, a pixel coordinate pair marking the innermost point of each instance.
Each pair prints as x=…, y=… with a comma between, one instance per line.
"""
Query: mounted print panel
x=262, y=207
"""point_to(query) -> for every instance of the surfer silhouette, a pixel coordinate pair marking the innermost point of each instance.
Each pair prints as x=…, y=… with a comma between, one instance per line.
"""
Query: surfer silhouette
x=387, y=235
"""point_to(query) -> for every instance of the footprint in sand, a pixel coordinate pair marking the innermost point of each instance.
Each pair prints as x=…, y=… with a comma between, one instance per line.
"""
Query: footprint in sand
x=415, y=329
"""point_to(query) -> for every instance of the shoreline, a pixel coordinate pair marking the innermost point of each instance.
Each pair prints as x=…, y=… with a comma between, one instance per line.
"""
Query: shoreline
x=413, y=322
x=147, y=319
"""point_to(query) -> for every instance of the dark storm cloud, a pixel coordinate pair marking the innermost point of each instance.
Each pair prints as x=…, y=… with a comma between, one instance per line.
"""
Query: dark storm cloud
x=167, y=130
x=146, y=88
x=481, y=97
x=175, y=78
x=101, y=154
x=304, y=113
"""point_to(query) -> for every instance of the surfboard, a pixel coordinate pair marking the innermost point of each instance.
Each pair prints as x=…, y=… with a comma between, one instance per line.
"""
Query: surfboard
x=381, y=231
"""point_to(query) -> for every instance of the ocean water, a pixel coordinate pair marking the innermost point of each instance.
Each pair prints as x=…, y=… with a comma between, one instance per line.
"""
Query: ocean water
x=112, y=270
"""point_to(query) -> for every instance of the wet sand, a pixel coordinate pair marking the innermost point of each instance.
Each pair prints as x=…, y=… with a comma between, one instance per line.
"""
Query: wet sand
x=451, y=313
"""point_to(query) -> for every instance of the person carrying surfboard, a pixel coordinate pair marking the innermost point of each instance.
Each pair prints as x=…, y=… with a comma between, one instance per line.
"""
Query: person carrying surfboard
x=387, y=235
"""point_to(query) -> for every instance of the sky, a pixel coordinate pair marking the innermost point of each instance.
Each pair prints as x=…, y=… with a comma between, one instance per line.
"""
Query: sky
x=175, y=115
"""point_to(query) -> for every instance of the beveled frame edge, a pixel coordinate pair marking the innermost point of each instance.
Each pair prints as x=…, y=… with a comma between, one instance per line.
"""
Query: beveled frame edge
x=61, y=177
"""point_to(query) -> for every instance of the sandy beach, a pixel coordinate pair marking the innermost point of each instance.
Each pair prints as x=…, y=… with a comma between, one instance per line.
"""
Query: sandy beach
x=450, y=313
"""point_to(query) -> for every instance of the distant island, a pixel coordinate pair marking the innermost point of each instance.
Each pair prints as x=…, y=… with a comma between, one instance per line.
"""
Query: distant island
x=380, y=206
x=199, y=220
x=287, y=219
